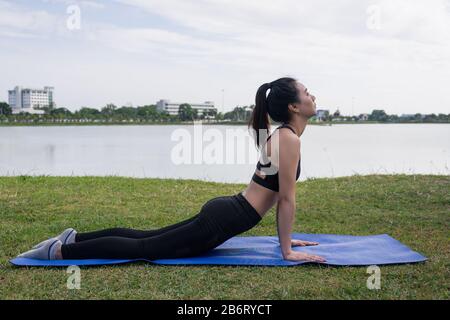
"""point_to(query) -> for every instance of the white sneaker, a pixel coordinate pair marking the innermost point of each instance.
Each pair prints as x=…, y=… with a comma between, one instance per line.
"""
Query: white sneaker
x=44, y=252
x=63, y=237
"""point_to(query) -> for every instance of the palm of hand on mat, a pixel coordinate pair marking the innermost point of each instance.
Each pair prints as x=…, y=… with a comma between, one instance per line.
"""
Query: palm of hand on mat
x=295, y=255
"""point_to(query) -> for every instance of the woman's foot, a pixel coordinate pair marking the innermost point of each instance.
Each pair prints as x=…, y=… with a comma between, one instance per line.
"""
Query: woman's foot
x=51, y=250
x=66, y=237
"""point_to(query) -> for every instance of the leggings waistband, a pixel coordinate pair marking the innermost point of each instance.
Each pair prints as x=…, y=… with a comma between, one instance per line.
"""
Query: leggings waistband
x=252, y=213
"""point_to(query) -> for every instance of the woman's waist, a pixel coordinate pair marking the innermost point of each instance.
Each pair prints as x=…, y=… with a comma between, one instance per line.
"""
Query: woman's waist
x=260, y=197
x=250, y=211
x=230, y=212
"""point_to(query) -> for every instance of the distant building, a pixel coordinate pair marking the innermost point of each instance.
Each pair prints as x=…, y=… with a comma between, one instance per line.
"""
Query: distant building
x=27, y=99
x=322, y=114
x=363, y=116
x=173, y=107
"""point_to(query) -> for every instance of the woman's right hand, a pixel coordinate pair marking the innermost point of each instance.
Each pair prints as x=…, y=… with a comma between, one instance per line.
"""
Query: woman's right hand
x=302, y=256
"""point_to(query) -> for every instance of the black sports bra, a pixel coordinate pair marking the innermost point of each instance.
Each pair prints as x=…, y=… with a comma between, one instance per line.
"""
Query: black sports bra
x=271, y=181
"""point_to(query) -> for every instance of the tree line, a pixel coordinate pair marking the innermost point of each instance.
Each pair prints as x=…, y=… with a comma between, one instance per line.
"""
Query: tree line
x=378, y=115
x=149, y=113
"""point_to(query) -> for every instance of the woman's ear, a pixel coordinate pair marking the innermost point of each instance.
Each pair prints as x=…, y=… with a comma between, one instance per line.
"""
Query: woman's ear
x=293, y=107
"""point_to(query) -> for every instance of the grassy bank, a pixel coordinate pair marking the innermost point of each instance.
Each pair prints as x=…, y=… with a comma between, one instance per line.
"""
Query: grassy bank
x=413, y=209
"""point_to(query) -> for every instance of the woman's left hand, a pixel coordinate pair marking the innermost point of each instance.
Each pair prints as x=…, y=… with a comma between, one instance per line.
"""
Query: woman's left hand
x=302, y=243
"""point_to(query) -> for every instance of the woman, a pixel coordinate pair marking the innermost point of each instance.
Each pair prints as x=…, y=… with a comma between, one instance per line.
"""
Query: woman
x=221, y=218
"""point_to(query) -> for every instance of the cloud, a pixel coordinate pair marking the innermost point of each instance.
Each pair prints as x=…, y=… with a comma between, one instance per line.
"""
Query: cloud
x=17, y=20
x=82, y=3
x=202, y=46
x=147, y=39
x=92, y=4
x=237, y=17
x=417, y=19
x=258, y=33
x=424, y=21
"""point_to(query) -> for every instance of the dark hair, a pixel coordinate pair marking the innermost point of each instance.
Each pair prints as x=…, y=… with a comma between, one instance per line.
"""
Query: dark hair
x=282, y=92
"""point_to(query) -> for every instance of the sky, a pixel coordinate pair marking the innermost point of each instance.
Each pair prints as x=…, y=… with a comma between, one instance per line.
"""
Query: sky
x=353, y=55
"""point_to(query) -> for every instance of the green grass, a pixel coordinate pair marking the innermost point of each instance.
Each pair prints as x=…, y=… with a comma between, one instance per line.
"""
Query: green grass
x=414, y=209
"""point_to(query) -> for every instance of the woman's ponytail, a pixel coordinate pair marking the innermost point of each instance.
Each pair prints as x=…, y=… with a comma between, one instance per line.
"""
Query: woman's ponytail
x=259, y=119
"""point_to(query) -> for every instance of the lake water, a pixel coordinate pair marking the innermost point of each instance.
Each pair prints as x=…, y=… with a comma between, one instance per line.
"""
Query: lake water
x=219, y=153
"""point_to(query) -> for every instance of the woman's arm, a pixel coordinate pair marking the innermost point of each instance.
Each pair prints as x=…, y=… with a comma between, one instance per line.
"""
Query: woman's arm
x=285, y=220
x=289, y=156
x=288, y=160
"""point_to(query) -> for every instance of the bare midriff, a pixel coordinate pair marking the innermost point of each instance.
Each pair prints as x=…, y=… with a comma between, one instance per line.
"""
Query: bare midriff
x=261, y=198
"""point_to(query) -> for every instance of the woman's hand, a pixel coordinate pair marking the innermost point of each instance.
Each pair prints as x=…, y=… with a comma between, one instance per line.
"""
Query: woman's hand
x=302, y=243
x=302, y=256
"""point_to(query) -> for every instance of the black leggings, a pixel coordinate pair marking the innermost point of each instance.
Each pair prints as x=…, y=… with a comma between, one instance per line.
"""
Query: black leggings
x=219, y=219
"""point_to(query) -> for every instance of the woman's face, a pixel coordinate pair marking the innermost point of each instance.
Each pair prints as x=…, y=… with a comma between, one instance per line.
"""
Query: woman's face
x=307, y=106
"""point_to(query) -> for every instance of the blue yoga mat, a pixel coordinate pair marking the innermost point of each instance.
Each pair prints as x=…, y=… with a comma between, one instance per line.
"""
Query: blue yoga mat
x=338, y=250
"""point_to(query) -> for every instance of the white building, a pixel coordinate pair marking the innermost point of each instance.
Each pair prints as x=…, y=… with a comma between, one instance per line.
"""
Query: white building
x=322, y=114
x=173, y=107
x=27, y=99
x=363, y=116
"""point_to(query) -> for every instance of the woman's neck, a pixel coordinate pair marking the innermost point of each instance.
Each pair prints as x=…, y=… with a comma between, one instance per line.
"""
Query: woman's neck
x=298, y=124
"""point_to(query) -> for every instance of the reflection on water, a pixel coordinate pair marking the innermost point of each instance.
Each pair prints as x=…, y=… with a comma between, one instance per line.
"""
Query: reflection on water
x=147, y=151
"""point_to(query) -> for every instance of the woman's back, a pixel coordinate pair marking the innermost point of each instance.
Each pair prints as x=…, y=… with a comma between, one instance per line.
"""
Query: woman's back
x=262, y=198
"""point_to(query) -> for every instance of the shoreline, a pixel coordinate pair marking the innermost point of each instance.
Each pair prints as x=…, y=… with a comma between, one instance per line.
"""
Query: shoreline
x=50, y=124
